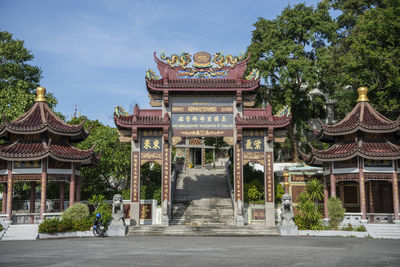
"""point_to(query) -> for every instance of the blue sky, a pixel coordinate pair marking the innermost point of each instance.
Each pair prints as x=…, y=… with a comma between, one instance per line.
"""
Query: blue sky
x=94, y=54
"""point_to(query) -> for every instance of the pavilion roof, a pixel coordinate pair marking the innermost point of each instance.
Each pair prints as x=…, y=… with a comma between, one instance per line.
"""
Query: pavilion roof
x=41, y=118
x=36, y=150
x=369, y=149
x=363, y=118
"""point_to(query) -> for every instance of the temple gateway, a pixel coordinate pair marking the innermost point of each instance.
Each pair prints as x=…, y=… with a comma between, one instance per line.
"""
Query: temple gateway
x=210, y=98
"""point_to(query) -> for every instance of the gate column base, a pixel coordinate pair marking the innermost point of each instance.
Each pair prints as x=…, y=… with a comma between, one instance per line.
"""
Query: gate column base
x=165, y=214
x=269, y=214
x=134, y=221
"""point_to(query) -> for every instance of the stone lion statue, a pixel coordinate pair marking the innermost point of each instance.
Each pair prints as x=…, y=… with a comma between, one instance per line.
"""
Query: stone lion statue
x=118, y=216
x=287, y=210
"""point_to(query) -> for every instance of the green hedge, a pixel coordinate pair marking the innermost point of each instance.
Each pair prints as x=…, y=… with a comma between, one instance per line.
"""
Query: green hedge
x=64, y=225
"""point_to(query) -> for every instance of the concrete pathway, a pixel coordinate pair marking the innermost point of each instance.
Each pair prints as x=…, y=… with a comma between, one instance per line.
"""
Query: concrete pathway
x=383, y=230
x=21, y=232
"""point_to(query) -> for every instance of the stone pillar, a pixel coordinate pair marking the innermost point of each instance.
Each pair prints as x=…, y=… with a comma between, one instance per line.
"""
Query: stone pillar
x=135, y=184
x=238, y=184
x=326, y=196
x=203, y=157
x=72, y=187
x=269, y=185
x=363, y=206
x=341, y=186
x=4, y=203
x=395, y=185
x=62, y=194
x=371, y=200
x=333, y=182
x=166, y=184
x=78, y=189
x=43, y=189
x=10, y=182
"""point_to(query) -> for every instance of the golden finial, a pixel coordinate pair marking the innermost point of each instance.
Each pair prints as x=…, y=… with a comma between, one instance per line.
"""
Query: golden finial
x=362, y=94
x=40, y=94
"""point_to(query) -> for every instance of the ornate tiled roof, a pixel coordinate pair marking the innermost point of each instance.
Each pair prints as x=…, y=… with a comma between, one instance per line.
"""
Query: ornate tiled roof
x=142, y=118
x=369, y=149
x=362, y=118
x=201, y=84
x=35, y=150
x=41, y=118
x=261, y=117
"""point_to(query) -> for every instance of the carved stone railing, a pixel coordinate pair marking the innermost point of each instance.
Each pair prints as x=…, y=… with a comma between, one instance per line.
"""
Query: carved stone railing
x=354, y=218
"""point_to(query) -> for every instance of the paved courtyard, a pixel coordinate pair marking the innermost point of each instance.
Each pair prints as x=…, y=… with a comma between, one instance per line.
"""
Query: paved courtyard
x=201, y=251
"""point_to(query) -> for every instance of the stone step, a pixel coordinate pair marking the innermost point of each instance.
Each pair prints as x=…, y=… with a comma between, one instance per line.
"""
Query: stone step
x=223, y=230
x=387, y=231
x=21, y=232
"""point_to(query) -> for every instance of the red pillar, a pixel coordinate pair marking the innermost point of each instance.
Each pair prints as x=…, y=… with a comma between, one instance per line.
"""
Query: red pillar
x=341, y=186
x=10, y=182
x=333, y=182
x=326, y=196
x=4, y=203
x=32, y=201
x=62, y=193
x=78, y=188
x=371, y=201
x=43, y=189
x=72, y=187
x=395, y=185
x=363, y=207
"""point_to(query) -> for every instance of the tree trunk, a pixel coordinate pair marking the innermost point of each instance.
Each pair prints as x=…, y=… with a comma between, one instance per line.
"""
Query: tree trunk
x=293, y=139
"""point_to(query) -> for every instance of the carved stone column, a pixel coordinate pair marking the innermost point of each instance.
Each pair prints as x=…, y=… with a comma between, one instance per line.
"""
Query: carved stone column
x=238, y=186
x=166, y=184
x=395, y=185
x=43, y=189
x=78, y=188
x=10, y=184
x=269, y=185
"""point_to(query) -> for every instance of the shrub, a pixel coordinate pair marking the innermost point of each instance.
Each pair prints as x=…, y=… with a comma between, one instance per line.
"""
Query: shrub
x=361, y=228
x=157, y=195
x=76, y=212
x=50, y=226
x=279, y=192
x=126, y=194
x=309, y=215
x=55, y=225
x=97, y=200
x=336, y=212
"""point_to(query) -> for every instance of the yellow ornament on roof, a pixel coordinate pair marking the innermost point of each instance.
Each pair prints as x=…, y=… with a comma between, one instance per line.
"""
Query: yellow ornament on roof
x=362, y=94
x=40, y=94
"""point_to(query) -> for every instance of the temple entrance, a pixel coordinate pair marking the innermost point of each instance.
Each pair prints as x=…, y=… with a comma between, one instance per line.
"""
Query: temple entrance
x=211, y=99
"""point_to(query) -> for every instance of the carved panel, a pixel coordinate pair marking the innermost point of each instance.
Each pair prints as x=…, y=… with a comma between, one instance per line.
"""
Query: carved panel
x=269, y=176
x=253, y=157
x=150, y=157
x=166, y=173
x=296, y=190
x=135, y=181
x=238, y=165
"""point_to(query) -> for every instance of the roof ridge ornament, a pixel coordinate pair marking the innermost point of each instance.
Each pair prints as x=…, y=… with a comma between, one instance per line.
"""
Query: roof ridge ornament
x=40, y=94
x=362, y=94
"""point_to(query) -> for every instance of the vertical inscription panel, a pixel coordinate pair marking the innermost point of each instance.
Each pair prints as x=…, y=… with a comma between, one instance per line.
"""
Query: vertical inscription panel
x=135, y=177
x=166, y=172
x=269, y=177
x=238, y=173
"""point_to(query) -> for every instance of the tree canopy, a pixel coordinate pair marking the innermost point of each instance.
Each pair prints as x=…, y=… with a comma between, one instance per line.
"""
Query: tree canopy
x=18, y=79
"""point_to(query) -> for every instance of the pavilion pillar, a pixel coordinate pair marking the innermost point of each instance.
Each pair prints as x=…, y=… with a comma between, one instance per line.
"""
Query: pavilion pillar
x=371, y=200
x=72, y=187
x=333, y=182
x=135, y=182
x=341, y=186
x=363, y=206
x=78, y=188
x=326, y=196
x=395, y=185
x=43, y=189
x=4, y=202
x=10, y=182
x=33, y=198
x=203, y=157
x=238, y=184
x=269, y=182
x=62, y=195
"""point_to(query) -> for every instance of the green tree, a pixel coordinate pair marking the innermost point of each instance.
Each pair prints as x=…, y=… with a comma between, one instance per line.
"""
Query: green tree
x=315, y=189
x=18, y=79
x=112, y=173
x=285, y=50
x=368, y=54
x=336, y=212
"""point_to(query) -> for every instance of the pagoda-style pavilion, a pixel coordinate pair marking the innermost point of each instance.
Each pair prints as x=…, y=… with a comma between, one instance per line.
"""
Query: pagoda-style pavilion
x=362, y=163
x=39, y=149
x=210, y=98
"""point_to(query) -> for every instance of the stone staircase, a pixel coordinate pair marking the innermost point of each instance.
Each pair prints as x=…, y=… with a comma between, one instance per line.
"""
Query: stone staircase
x=201, y=199
x=21, y=232
x=383, y=230
x=215, y=230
